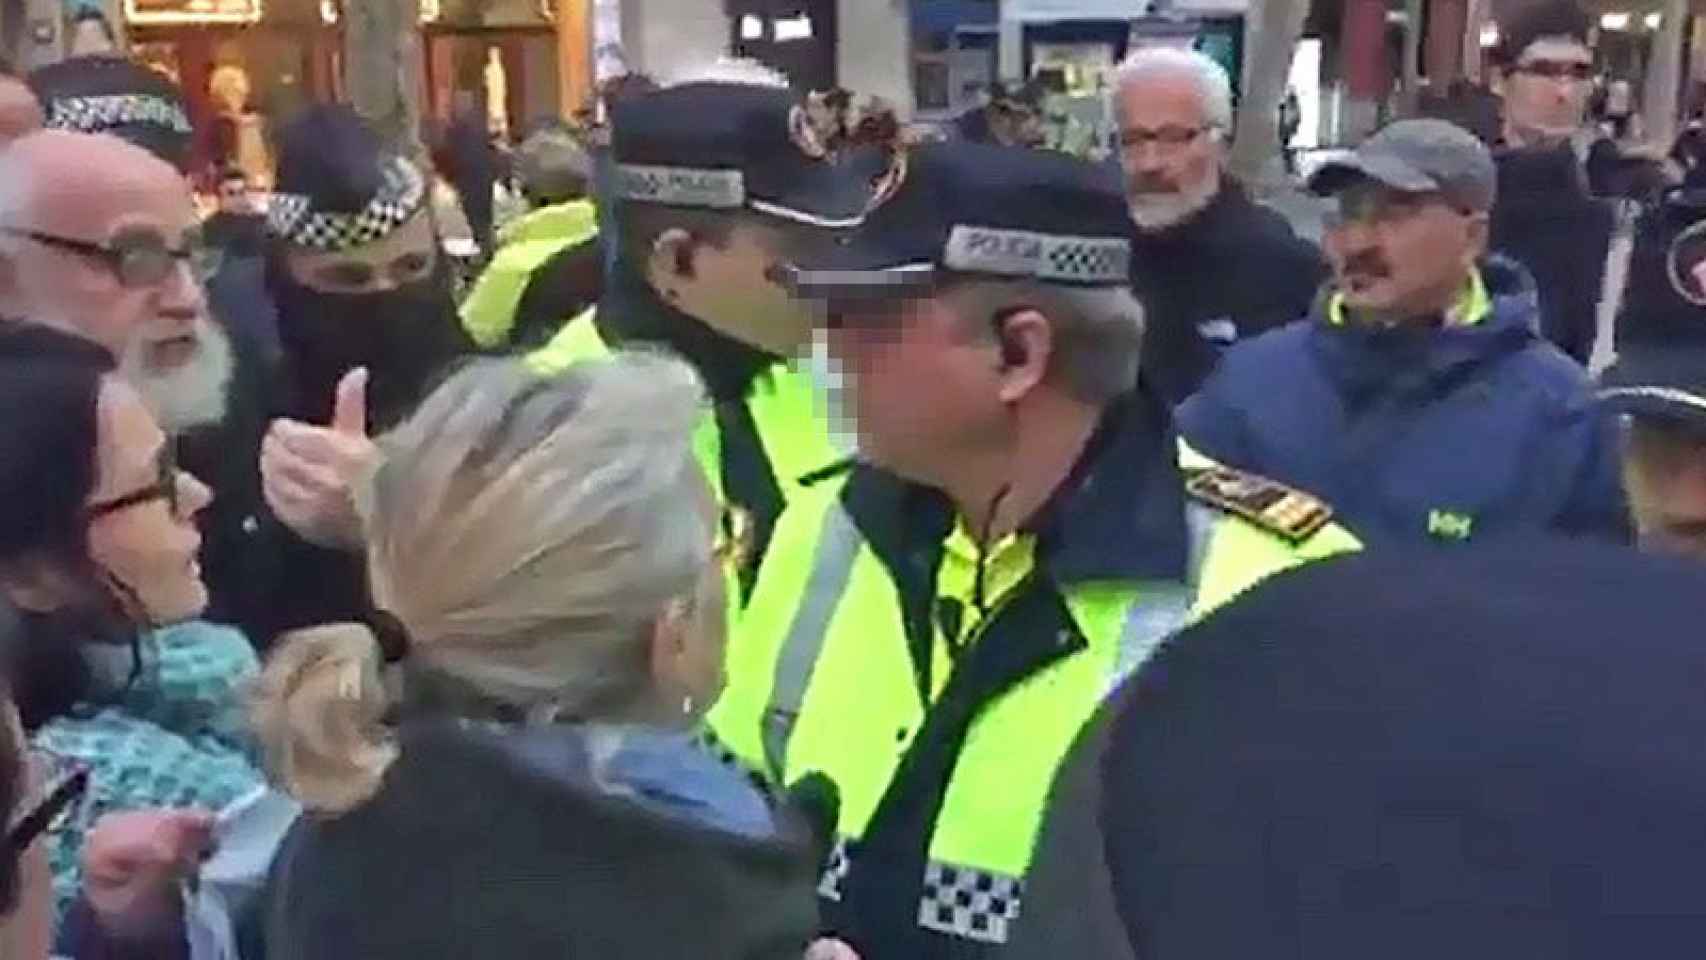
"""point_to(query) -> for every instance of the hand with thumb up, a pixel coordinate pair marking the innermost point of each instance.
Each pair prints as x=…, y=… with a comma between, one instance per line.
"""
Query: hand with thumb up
x=308, y=473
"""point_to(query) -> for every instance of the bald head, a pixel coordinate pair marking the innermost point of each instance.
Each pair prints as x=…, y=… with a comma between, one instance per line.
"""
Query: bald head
x=20, y=111
x=77, y=183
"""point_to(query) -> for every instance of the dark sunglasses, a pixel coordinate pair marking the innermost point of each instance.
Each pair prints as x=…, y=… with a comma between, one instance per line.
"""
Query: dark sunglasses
x=353, y=276
x=164, y=487
x=138, y=257
x=65, y=782
x=1557, y=69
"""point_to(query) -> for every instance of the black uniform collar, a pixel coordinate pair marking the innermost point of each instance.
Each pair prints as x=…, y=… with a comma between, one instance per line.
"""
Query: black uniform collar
x=632, y=311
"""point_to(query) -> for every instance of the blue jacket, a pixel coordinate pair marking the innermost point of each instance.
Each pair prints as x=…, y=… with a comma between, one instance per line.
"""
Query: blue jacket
x=1421, y=434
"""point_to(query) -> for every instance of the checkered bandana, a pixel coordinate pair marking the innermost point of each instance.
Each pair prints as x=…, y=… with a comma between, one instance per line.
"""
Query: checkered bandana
x=292, y=218
x=101, y=113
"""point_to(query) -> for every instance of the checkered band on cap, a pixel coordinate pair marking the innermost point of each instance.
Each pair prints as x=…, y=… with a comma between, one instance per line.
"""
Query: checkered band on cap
x=292, y=217
x=1021, y=253
x=99, y=113
x=974, y=904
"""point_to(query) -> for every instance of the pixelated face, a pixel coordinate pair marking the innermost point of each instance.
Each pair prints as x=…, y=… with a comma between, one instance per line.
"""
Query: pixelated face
x=1664, y=473
x=923, y=379
x=1401, y=254
x=1547, y=89
x=1169, y=152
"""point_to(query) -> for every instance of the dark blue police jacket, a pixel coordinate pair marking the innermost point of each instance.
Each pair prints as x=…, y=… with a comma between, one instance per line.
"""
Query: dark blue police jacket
x=1421, y=434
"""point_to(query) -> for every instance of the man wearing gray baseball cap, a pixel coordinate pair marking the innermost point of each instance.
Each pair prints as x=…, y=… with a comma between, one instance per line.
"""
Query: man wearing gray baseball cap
x=1419, y=397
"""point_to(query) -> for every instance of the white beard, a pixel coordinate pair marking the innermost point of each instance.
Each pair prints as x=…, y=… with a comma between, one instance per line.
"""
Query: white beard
x=1158, y=211
x=193, y=395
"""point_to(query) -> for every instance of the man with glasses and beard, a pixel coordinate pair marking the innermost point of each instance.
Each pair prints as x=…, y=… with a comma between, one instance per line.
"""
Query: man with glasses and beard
x=99, y=237
x=1420, y=398
x=1211, y=266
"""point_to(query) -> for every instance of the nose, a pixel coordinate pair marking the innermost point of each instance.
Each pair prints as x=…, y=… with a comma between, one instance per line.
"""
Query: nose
x=193, y=495
x=181, y=292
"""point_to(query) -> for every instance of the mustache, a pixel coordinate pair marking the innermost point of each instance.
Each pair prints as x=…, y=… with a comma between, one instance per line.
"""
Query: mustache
x=1150, y=185
x=1367, y=263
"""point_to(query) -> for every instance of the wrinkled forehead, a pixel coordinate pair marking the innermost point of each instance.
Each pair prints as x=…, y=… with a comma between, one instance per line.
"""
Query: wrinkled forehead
x=1559, y=49
x=1162, y=96
x=95, y=199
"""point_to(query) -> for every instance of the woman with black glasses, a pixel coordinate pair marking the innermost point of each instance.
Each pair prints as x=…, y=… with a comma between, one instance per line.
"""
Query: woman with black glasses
x=112, y=674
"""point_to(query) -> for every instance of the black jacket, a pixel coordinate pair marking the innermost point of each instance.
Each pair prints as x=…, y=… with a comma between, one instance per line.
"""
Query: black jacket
x=473, y=850
x=1546, y=220
x=1231, y=272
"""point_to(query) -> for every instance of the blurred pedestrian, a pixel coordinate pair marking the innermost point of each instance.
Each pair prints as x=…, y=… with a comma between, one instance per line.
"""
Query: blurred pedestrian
x=1419, y=399
x=473, y=164
x=1211, y=266
x=1011, y=117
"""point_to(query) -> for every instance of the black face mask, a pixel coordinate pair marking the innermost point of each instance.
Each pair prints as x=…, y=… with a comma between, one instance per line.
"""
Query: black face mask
x=406, y=338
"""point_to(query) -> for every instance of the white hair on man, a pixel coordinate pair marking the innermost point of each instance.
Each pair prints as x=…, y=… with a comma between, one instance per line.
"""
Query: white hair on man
x=1211, y=79
x=193, y=394
x=1171, y=153
x=729, y=70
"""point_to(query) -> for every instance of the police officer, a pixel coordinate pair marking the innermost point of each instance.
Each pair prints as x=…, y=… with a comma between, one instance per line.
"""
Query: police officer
x=1659, y=379
x=549, y=265
x=715, y=182
x=1022, y=536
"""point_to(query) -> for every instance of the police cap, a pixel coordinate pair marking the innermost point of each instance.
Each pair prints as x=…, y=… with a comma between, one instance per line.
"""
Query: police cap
x=119, y=97
x=732, y=146
x=983, y=209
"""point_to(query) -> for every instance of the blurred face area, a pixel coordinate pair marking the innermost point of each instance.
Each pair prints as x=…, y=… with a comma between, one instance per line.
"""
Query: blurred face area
x=1399, y=255
x=924, y=383
x=107, y=245
x=20, y=111
x=735, y=287
x=1547, y=89
x=1169, y=152
x=234, y=197
x=142, y=532
x=404, y=257
x=1664, y=472
x=1015, y=124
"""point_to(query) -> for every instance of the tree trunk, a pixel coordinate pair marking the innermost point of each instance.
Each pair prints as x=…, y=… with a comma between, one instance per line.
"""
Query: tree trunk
x=1414, y=11
x=1255, y=147
x=382, y=68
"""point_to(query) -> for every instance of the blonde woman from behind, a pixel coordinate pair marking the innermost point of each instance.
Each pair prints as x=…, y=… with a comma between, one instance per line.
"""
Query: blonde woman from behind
x=550, y=563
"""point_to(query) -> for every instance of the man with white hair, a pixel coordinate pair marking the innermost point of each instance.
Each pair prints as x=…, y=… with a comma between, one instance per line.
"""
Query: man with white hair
x=1212, y=266
x=100, y=238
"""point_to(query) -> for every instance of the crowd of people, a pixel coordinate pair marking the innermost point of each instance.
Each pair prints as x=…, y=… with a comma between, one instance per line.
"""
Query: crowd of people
x=806, y=540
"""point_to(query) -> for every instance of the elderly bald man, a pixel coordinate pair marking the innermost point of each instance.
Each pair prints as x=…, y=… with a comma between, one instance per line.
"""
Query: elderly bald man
x=100, y=238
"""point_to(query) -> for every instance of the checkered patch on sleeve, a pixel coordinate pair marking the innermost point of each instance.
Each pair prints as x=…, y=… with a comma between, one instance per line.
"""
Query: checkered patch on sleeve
x=974, y=904
x=292, y=217
x=100, y=113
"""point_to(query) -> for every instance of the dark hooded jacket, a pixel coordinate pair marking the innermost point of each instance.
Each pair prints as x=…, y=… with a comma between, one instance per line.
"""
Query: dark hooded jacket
x=1418, y=434
x=1229, y=273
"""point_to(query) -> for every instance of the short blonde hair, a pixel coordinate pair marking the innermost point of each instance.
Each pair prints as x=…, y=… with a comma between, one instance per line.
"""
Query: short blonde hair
x=528, y=532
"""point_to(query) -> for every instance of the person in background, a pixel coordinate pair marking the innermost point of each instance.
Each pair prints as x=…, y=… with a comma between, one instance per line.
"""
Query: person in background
x=551, y=564
x=1211, y=266
x=1012, y=117
x=91, y=34
x=473, y=166
x=100, y=238
x=1553, y=215
x=549, y=265
x=1406, y=754
x=1658, y=382
x=238, y=232
x=1419, y=398
x=1018, y=533
x=110, y=669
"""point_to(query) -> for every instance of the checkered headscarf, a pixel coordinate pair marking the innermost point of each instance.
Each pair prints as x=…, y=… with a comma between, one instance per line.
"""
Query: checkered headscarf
x=294, y=218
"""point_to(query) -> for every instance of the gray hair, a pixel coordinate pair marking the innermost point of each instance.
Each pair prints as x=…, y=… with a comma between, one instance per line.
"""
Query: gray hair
x=1210, y=77
x=528, y=532
x=1098, y=331
x=553, y=167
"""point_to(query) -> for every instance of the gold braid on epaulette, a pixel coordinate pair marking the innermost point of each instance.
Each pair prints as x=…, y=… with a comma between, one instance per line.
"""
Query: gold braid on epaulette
x=1283, y=511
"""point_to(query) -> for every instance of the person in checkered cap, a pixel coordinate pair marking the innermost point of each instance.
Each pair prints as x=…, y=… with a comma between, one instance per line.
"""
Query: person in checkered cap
x=1021, y=530
x=356, y=269
x=107, y=93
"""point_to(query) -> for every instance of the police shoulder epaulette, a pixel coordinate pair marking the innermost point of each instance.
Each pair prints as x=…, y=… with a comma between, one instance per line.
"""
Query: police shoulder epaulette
x=1283, y=511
